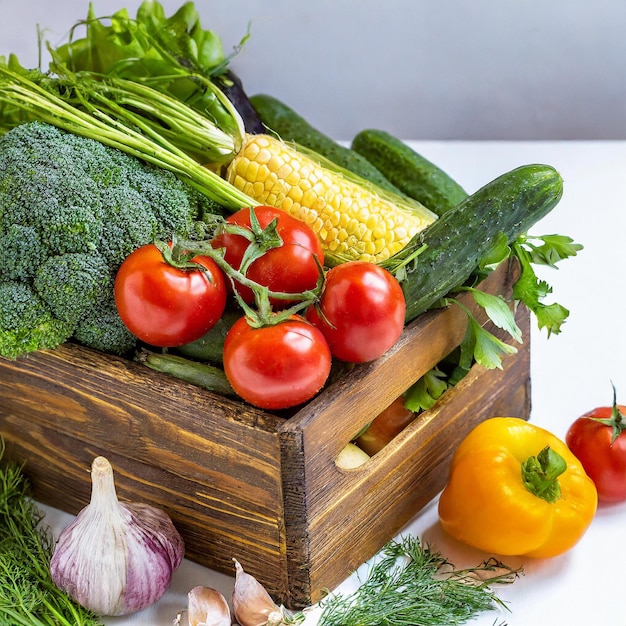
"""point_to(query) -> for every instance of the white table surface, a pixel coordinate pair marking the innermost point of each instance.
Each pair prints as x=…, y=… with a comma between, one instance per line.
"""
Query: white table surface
x=570, y=374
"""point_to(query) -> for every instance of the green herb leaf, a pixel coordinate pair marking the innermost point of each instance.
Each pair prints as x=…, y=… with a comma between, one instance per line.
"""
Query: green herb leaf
x=423, y=394
x=480, y=345
x=488, y=349
x=530, y=290
x=498, y=311
x=411, y=584
x=551, y=250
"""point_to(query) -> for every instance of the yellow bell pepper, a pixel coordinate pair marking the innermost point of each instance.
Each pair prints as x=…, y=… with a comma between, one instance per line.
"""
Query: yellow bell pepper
x=516, y=489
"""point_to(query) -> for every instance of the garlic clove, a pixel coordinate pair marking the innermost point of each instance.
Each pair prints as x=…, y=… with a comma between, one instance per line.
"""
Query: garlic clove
x=252, y=605
x=207, y=607
x=116, y=558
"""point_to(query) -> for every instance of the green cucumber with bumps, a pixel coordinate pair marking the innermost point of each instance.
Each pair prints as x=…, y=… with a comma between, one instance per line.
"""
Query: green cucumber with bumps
x=410, y=172
x=458, y=240
x=290, y=126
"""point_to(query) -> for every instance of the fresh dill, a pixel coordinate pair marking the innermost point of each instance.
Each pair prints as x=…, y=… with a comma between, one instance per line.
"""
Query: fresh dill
x=413, y=585
x=28, y=596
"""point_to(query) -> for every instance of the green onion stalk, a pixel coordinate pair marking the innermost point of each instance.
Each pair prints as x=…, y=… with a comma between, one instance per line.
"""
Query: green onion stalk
x=129, y=116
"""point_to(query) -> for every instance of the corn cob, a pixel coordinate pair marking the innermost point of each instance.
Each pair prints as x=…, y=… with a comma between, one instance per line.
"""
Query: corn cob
x=352, y=221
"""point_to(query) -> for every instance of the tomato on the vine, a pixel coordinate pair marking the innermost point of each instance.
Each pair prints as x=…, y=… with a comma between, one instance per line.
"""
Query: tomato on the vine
x=276, y=366
x=164, y=305
x=288, y=268
x=598, y=440
x=360, y=312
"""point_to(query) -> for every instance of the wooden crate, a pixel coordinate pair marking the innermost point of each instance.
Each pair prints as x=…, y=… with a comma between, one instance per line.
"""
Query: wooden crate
x=241, y=482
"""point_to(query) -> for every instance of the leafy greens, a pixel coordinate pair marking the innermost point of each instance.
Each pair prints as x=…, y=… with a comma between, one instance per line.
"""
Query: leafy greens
x=479, y=345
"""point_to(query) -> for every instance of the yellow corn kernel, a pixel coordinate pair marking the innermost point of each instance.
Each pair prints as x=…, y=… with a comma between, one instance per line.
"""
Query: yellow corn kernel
x=351, y=221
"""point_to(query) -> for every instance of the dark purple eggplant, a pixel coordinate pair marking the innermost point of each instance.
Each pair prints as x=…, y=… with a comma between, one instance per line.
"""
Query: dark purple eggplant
x=233, y=89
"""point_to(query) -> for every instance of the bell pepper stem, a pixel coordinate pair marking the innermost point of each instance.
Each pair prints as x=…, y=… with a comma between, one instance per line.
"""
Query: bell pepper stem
x=540, y=474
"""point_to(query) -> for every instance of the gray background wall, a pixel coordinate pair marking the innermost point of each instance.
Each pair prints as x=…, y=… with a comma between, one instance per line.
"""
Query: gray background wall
x=421, y=69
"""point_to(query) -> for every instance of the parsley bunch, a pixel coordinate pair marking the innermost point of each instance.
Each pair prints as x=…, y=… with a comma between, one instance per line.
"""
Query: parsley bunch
x=479, y=345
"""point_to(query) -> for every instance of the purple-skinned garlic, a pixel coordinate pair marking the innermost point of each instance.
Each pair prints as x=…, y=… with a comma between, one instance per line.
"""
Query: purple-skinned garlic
x=116, y=558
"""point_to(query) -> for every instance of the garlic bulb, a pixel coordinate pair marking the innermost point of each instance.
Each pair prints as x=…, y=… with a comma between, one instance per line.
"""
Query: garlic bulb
x=252, y=605
x=116, y=558
x=207, y=607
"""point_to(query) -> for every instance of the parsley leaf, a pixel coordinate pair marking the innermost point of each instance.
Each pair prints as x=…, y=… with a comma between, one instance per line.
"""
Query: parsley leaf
x=498, y=311
x=481, y=345
x=551, y=250
x=426, y=391
x=531, y=290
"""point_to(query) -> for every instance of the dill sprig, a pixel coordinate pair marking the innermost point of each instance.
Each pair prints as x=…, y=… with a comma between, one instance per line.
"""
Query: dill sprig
x=28, y=596
x=413, y=585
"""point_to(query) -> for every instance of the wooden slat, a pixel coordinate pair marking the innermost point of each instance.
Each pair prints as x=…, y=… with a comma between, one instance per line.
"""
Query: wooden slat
x=213, y=464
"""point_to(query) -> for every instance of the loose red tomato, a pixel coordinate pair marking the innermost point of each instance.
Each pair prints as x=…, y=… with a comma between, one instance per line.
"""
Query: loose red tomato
x=166, y=306
x=598, y=440
x=278, y=366
x=361, y=311
x=289, y=268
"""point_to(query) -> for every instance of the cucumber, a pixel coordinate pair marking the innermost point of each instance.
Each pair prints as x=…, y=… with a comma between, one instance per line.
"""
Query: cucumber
x=200, y=374
x=210, y=347
x=409, y=171
x=289, y=126
x=461, y=237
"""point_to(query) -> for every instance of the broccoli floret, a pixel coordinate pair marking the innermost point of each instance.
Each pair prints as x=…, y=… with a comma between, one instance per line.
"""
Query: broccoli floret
x=73, y=283
x=26, y=323
x=71, y=210
x=22, y=252
x=103, y=329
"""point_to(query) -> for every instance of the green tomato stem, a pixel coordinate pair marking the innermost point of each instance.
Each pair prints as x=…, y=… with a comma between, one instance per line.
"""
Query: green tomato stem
x=263, y=315
x=617, y=421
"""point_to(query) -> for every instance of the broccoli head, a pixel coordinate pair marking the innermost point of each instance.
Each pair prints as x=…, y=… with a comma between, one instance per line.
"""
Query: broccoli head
x=71, y=210
x=21, y=252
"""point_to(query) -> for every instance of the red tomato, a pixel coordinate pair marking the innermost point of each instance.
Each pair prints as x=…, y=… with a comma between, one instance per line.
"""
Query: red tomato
x=604, y=460
x=361, y=311
x=279, y=366
x=163, y=305
x=290, y=268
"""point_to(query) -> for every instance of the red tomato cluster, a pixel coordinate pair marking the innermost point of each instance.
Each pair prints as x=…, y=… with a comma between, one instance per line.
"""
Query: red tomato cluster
x=357, y=316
